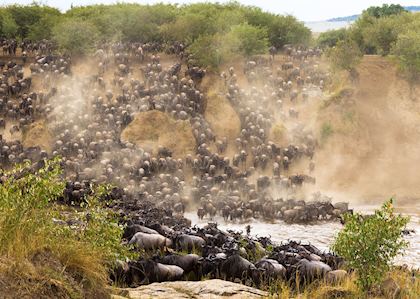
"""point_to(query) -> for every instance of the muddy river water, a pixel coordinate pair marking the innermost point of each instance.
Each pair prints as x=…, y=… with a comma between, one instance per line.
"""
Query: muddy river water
x=320, y=235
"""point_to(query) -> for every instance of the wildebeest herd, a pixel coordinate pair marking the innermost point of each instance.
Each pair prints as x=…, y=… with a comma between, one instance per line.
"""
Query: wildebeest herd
x=248, y=177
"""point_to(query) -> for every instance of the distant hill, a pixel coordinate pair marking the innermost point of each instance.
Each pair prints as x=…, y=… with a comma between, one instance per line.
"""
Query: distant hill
x=355, y=17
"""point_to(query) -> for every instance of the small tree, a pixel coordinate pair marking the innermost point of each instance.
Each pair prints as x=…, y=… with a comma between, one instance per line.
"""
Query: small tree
x=247, y=40
x=75, y=36
x=369, y=244
x=346, y=55
x=383, y=33
x=8, y=26
x=330, y=38
x=407, y=51
x=385, y=10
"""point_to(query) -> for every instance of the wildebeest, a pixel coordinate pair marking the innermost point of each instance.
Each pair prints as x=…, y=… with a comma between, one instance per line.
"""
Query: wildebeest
x=236, y=267
x=189, y=242
x=150, y=241
x=189, y=263
x=149, y=271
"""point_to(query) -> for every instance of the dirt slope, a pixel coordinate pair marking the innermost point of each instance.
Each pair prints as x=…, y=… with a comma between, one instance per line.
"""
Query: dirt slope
x=153, y=128
x=374, y=151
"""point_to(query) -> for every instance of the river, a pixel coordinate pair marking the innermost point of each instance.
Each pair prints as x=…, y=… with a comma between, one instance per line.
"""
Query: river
x=320, y=235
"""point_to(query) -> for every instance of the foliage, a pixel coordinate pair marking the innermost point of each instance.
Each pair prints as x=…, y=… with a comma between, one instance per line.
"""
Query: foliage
x=188, y=28
x=383, y=33
x=407, y=50
x=207, y=51
x=24, y=202
x=29, y=15
x=77, y=257
x=369, y=244
x=231, y=27
x=8, y=26
x=345, y=55
x=384, y=11
x=331, y=38
x=75, y=37
x=288, y=30
x=43, y=28
x=247, y=40
x=214, y=50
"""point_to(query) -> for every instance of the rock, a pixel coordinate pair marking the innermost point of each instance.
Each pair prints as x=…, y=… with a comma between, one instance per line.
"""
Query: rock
x=213, y=289
x=390, y=288
x=336, y=276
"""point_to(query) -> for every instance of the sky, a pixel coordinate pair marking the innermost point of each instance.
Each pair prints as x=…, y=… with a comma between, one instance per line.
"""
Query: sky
x=304, y=10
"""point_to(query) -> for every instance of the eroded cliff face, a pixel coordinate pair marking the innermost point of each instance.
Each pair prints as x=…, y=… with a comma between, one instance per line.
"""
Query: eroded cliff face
x=373, y=152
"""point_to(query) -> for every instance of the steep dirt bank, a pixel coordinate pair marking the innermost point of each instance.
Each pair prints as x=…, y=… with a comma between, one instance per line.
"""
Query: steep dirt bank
x=152, y=129
x=374, y=150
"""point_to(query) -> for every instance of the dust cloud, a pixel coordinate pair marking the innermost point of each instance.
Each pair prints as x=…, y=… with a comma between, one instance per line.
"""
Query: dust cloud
x=374, y=151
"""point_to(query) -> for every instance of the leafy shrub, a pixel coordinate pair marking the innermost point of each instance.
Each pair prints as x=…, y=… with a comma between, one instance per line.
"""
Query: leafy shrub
x=331, y=38
x=407, y=50
x=75, y=37
x=24, y=202
x=247, y=40
x=8, y=26
x=27, y=16
x=383, y=33
x=384, y=10
x=77, y=258
x=369, y=244
x=288, y=30
x=346, y=55
x=242, y=40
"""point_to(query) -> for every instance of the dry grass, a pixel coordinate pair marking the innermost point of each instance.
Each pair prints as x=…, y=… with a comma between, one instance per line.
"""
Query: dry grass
x=40, y=259
x=61, y=270
x=152, y=129
x=347, y=289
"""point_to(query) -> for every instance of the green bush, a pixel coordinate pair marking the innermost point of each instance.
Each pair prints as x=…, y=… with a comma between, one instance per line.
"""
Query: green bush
x=8, y=26
x=207, y=51
x=383, y=33
x=75, y=37
x=331, y=38
x=242, y=40
x=24, y=203
x=407, y=51
x=77, y=257
x=346, y=55
x=385, y=10
x=187, y=28
x=288, y=30
x=369, y=244
x=27, y=16
x=233, y=27
x=247, y=40
x=28, y=204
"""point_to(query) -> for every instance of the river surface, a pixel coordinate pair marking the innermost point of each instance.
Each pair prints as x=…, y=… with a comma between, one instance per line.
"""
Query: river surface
x=321, y=235
x=322, y=26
